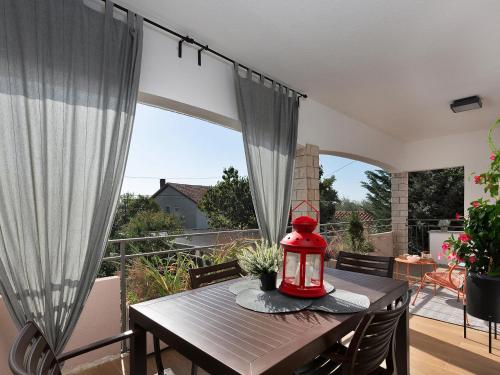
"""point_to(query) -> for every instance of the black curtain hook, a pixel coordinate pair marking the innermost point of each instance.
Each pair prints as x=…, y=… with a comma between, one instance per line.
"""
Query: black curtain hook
x=188, y=40
x=199, y=53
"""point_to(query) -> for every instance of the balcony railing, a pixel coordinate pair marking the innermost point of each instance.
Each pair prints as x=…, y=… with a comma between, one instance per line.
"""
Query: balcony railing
x=370, y=226
x=418, y=231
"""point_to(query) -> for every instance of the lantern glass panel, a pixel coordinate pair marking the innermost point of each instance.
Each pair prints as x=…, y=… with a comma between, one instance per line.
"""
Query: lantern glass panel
x=292, y=268
x=313, y=270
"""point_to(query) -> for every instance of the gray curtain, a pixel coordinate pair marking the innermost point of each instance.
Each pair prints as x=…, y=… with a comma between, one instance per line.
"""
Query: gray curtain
x=269, y=117
x=68, y=88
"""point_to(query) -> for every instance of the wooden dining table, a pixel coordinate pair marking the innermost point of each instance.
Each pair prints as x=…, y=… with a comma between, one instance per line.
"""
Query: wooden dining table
x=209, y=328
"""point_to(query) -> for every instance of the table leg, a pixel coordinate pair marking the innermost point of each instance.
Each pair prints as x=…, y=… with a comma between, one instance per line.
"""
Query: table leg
x=435, y=285
x=402, y=345
x=489, y=337
x=137, y=350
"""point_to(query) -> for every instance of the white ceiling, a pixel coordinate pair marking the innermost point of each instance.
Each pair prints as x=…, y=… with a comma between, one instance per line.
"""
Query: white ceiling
x=394, y=65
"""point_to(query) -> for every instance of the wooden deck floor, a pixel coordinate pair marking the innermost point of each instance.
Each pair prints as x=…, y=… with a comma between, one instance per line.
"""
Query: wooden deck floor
x=436, y=348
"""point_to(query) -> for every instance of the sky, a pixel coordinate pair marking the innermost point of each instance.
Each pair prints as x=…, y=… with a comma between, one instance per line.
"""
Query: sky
x=187, y=150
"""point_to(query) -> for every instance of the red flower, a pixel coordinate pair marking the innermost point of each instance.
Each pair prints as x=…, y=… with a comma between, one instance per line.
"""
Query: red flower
x=464, y=238
x=492, y=156
x=458, y=216
x=445, y=246
x=472, y=259
x=475, y=204
x=477, y=179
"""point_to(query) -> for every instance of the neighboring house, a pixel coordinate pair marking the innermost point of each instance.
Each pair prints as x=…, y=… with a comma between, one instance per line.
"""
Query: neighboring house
x=344, y=216
x=182, y=200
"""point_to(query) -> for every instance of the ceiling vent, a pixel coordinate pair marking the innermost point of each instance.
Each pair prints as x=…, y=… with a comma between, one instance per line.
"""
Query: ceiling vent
x=466, y=104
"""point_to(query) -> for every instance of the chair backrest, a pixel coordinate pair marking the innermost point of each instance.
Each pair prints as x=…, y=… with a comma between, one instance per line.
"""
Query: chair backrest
x=369, y=264
x=373, y=340
x=31, y=354
x=212, y=274
x=456, y=276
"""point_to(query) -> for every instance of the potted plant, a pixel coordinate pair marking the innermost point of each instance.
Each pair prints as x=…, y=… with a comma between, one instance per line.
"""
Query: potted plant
x=479, y=247
x=262, y=260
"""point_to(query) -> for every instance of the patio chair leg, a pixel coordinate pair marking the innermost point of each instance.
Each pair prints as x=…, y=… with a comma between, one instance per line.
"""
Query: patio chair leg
x=418, y=291
x=465, y=321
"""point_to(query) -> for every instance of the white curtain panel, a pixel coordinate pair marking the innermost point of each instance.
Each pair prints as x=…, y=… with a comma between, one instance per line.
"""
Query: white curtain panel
x=68, y=88
x=269, y=119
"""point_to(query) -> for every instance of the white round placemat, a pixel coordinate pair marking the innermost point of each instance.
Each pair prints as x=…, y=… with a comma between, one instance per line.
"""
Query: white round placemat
x=270, y=302
x=341, y=302
x=251, y=283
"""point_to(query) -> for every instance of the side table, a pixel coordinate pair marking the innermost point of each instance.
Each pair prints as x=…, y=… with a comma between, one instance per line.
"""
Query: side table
x=407, y=265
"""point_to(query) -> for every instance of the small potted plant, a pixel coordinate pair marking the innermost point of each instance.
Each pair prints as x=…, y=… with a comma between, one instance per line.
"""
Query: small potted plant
x=479, y=247
x=262, y=260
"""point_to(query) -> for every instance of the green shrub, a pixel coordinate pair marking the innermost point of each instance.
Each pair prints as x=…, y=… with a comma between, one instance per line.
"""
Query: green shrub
x=260, y=258
x=155, y=277
x=226, y=252
x=356, y=239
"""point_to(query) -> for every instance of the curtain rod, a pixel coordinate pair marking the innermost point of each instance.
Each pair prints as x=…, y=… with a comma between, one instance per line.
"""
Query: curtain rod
x=190, y=40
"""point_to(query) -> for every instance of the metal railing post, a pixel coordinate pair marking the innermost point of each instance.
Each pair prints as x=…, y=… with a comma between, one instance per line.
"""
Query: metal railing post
x=123, y=292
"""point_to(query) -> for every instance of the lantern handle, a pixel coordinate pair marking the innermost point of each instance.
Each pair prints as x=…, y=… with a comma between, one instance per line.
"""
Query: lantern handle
x=310, y=206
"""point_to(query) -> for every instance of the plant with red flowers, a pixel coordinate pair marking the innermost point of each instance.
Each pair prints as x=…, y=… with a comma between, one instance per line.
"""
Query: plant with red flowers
x=479, y=246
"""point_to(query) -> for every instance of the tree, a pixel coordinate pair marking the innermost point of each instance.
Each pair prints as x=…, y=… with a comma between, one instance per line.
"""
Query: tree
x=356, y=235
x=432, y=194
x=146, y=222
x=347, y=204
x=378, y=199
x=229, y=204
x=328, y=197
x=138, y=216
x=436, y=194
x=129, y=206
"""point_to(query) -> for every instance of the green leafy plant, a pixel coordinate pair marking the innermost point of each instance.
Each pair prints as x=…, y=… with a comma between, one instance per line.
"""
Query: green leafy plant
x=229, y=204
x=328, y=197
x=226, y=252
x=155, y=277
x=260, y=258
x=479, y=246
x=356, y=238
x=146, y=222
x=129, y=206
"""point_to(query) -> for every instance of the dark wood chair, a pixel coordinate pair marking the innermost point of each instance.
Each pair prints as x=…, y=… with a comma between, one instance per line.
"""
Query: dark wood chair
x=371, y=345
x=369, y=264
x=31, y=354
x=199, y=277
x=213, y=274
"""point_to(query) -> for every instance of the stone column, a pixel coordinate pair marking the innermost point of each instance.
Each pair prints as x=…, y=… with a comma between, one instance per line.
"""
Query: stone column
x=306, y=179
x=399, y=211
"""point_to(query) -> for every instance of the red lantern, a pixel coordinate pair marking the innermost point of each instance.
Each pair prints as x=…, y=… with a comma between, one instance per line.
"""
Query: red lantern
x=303, y=260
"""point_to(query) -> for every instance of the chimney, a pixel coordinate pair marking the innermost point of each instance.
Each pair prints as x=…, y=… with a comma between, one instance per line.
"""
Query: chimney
x=162, y=182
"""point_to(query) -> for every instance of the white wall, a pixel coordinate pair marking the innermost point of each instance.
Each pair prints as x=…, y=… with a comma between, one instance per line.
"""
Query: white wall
x=340, y=135
x=469, y=150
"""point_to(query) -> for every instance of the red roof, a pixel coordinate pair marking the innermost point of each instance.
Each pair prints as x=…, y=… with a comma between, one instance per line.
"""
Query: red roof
x=193, y=192
x=343, y=216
